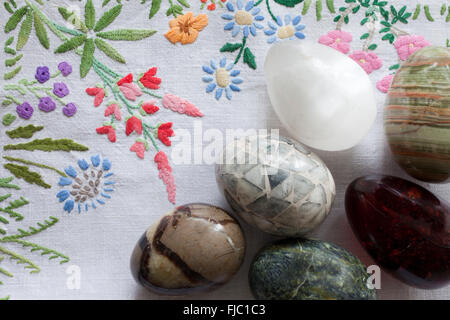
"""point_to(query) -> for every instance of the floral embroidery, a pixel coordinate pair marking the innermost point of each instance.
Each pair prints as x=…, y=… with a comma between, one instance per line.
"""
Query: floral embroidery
x=125, y=93
x=337, y=39
x=212, y=5
x=384, y=84
x=165, y=174
x=149, y=80
x=46, y=95
x=221, y=78
x=243, y=18
x=369, y=61
x=407, y=45
x=290, y=30
x=88, y=187
x=185, y=28
x=83, y=29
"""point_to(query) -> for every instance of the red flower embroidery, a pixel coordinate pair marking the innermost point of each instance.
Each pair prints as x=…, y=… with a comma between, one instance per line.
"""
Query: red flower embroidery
x=148, y=79
x=115, y=110
x=211, y=7
x=149, y=107
x=165, y=174
x=126, y=79
x=164, y=132
x=108, y=130
x=133, y=124
x=99, y=94
x=139, y=148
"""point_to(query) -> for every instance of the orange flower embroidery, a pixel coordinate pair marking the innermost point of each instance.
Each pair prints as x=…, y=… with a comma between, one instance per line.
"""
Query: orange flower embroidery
x=185, y=28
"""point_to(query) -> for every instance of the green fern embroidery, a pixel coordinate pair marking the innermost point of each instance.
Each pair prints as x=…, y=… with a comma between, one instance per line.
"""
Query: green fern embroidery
x=21, y=236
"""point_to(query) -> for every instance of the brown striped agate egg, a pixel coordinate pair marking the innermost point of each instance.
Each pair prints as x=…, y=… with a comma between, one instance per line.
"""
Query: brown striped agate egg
x=417, y=115
x=194, y=247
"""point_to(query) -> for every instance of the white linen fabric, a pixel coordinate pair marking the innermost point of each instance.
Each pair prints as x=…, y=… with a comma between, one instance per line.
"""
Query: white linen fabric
x=100, y=241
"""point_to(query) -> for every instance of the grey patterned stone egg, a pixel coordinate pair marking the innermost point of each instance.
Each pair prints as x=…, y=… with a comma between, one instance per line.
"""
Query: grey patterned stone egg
x=276, y=184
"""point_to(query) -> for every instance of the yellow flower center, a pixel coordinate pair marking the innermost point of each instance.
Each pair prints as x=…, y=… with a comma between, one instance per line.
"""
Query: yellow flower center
x=285, y=32
x=338, y=40
x=222, y=77
x=411, y=45
x=363, y=61
x=243, y=18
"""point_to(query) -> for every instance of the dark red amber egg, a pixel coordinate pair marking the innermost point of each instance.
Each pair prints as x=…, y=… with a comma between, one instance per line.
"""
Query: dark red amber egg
x=404, y=227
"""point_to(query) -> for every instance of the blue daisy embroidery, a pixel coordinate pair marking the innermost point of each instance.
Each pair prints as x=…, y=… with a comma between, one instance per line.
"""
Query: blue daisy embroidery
x=289, y=28
x=222, y=78
x=88, y=186
x=243, y=18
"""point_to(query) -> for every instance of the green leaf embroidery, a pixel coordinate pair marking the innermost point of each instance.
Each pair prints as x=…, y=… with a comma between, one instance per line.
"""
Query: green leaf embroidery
x=306, y=6
x=41, y=32
x=73, y=18
x=71, y=44
x=11, y=62
x=230, y=47
x=184, y=3
x=24, y=132
x=48, y=145
x=330, y=5
x=373, y=46
x=109, y=50
x=87, y=58
x=156, y=4
x=23, y=172
x=5, y=183
x=126, y=34
x=249, y=58
x=12, y=74
x=289, y=3
x=25, y=30
x=89, y=14
x=108, y=18
x=8, y=119
x=9, y=41
x=15, y=19
x=31, y=163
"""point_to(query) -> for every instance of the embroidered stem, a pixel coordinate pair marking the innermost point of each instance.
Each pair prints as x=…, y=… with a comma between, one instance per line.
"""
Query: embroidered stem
x=149, y=135
x=21, y=260
x=244, y=41
x=13, y=99
x=368, y=41
x=258, y=3
x=270, y=11
x=345, y=14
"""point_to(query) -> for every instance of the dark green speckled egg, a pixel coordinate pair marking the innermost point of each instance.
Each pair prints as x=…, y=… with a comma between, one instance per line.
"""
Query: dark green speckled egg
x=300, y=269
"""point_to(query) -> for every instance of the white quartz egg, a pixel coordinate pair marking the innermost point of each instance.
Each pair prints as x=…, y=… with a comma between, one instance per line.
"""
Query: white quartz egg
x=324, y=98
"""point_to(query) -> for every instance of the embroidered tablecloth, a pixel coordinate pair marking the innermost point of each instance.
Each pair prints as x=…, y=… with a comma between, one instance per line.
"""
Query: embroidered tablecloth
x=92, y=92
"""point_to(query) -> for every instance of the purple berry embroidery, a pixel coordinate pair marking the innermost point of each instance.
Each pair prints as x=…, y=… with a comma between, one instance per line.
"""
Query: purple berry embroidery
x=42, y=74
x=25, y=110
x=65, y=68
x=70, y=109
x=60, y=89
x=46, y=104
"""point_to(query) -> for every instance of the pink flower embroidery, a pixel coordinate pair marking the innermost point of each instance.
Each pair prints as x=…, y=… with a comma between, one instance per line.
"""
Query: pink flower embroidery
x=407, y=45
x=130, y=91
x=369, y=61
x=384, y=84
x=165, y=174
x=139, y=148
x=337, y=39
x=115, y=110
x=180, y=105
